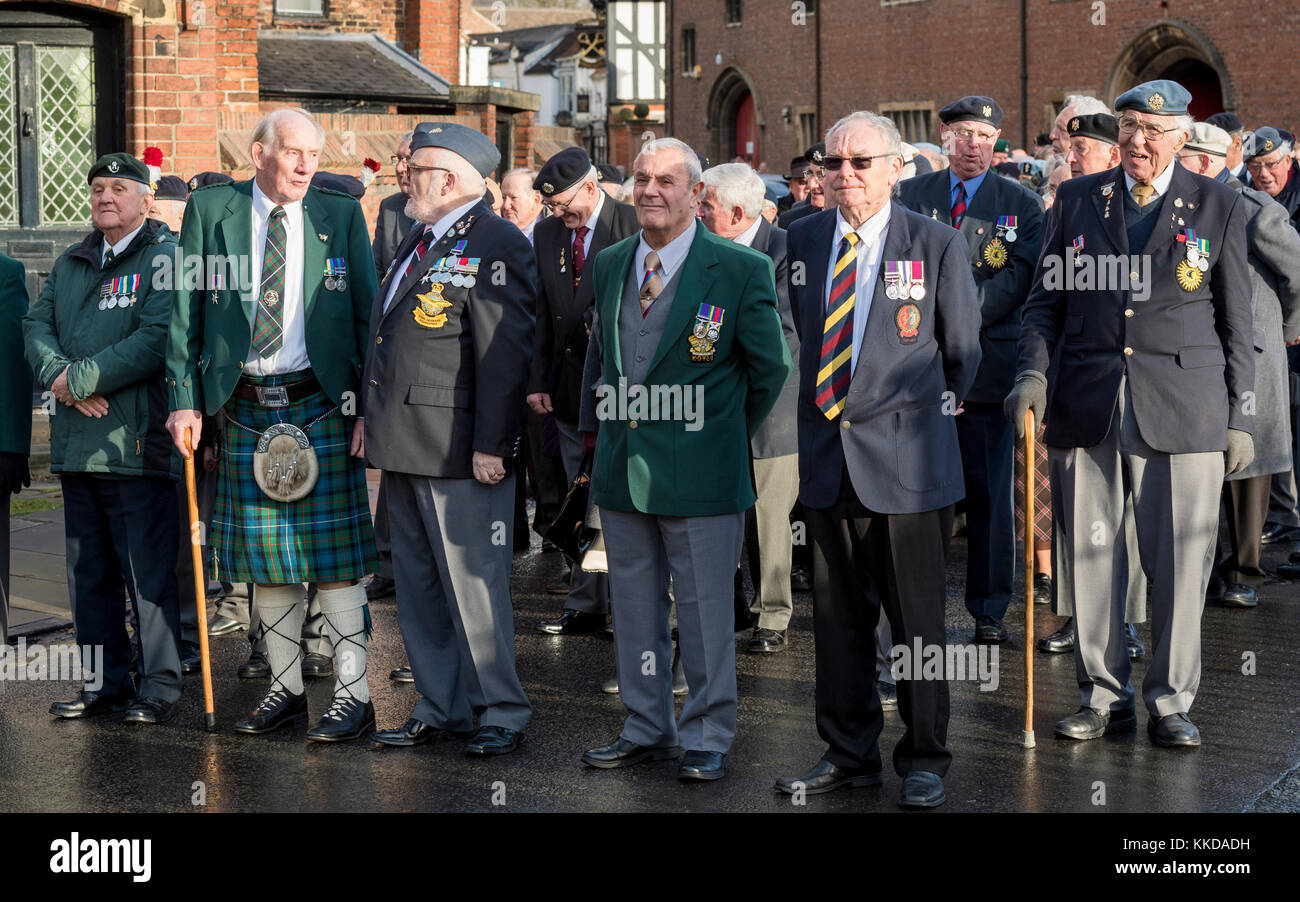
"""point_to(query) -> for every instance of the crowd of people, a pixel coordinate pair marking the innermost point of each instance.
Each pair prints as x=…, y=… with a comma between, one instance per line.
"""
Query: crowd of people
x=727, y=371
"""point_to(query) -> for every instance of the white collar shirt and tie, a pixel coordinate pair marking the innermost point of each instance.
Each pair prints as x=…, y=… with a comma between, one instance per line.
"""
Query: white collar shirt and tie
x=590, y=225
x=119, y=248
x=870, y=250
x=292, y=355
x=1160, y=183
x=437, y=231
x=747, y=237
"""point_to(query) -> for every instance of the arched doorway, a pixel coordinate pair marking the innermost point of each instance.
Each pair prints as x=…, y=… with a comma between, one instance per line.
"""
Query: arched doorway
x=735, y=119
x=1179, y=52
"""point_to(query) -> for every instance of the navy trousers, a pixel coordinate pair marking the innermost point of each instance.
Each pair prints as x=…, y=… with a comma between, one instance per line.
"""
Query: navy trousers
x=987, y=442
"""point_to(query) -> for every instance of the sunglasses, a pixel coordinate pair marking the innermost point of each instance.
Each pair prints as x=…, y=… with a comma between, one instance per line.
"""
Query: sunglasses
x=833, y=164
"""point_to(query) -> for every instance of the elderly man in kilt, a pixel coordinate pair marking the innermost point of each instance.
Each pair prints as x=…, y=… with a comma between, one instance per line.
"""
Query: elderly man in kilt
x=275, y=350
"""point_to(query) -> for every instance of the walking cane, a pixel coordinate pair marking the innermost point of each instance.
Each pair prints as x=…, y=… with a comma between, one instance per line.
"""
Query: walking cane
x=200, y=586
x=1027, y=740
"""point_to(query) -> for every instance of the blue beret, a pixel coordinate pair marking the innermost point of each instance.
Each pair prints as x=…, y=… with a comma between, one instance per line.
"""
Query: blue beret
x=171, y=187
x=343, y=184
x=972, y=109
x=461, y=140
x=1263, y=142
x=1226, y=121
x=562, y=171
x=120, y=166
x=1162, y=97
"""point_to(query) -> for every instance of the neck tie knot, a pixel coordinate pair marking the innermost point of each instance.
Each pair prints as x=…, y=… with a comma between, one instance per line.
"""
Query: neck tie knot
x=652, y=285
x=581, y=232
x=277, y=213
x=1142, y=194
x=108, y=258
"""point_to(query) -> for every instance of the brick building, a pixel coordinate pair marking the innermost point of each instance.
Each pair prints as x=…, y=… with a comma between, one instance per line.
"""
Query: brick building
x=84, y=77
x=765, y=78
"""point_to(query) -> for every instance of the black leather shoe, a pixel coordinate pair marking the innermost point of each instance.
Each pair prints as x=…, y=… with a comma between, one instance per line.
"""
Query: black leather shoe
x=800, y=580
x=1042, y=589
x=278, y=708
x=765, y=641
x=573, y=623
x=922, y=789
x=191, y=660
x=1093, y=723
x=255, y=668
x=149, y=710
x=988, y=631
x=702, y=766
x=416, y=732
x=1238, y=595
x=221, y=625
x=1135, y=647
x=379, y=588
x=493, y=741
x=610, y=687
x=1174, y=731
x=1060, y=641
x=347, y=718
x=401, y=675
x=888, y=693
x=1275, y=533
x=1291, y=569
x=315, y=667
x=90, y=704
x=624, y=754
x=825, y=777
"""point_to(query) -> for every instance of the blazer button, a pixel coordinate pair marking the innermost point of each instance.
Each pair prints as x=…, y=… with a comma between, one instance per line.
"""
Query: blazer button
x=1128, y=352
x=1128, y=312
x=1134, y=276
x=845, y=424
x=240, y=364
x=379, y=339
x=373, y=382
x=631, y=425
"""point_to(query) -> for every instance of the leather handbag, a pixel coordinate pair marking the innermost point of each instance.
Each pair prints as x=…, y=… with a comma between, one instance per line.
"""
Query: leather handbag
x=569, y=531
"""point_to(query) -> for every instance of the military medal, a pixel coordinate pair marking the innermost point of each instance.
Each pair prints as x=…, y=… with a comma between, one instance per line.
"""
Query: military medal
x=1189, y=277
x=121, y=291
x=704, y=335
x=1008, y=223
x=1077, y=244
x=916, y=278
x=103, y=296
x=894, y=280
x=561, y=259
x=1198, y=249
x=995, y=253
x=1107, y=191
x=336, y=270
x=429, y=306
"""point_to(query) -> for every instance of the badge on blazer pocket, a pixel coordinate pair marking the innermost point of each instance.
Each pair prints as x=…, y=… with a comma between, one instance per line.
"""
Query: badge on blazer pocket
x=429, y=306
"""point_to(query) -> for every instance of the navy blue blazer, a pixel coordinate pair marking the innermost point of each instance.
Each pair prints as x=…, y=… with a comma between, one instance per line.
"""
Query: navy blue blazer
x=1188, y=352
x=896, y=433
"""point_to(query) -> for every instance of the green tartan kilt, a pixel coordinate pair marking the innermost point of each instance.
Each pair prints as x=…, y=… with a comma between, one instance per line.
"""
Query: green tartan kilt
x=326, y=536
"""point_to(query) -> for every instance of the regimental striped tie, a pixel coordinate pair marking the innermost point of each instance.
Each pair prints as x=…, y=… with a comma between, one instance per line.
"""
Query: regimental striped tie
x=421, y=249
x=958, y=205
x=268, y=331
x=837, y=337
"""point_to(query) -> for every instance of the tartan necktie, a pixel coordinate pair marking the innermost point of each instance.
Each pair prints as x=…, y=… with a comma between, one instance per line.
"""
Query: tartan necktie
x=959, y=205
x=268, y=332
x=652, y=285
x=109, y=256
x=426, y=241
x=836, y=364
x=579, y=252
x=1142, y=194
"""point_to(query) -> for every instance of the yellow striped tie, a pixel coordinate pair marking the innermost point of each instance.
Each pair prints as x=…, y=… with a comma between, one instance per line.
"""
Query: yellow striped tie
x=837, y=336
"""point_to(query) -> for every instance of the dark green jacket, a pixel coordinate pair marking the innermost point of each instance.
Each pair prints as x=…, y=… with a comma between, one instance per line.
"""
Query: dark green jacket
x=15, y=374
x=212, y=330
x=659, y=466
x=110, y=350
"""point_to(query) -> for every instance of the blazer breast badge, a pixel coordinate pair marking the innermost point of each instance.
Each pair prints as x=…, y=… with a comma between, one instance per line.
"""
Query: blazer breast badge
x=429, y=306
x=704, y=336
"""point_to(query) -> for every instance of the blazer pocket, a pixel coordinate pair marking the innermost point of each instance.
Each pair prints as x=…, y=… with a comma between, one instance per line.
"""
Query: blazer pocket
x=438, y=396
x=1073, y=325
x=919, y=442
x=1190, y=358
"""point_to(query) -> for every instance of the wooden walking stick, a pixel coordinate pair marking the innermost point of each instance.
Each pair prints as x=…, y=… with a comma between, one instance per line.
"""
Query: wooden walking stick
x=200, y=584
x=1027, y=740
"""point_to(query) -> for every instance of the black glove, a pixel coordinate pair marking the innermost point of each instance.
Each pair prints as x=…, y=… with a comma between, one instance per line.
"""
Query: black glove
x=14, y=475
x=1029, y=393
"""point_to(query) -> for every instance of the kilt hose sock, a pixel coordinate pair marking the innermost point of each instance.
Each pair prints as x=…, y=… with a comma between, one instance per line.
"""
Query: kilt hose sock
x=345, y=618
x=281, y=610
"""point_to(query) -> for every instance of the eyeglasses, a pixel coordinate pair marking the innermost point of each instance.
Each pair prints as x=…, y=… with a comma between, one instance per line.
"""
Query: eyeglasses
x=1258, y=165
x=415, y=168
x=398, y=160
x=553, y=205
x=1152, y=132
x=970, y=136
x=833, y=164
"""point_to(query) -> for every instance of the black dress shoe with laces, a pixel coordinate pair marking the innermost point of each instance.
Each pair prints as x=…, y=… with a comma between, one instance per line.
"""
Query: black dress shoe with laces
x=1093, y=723
x=1239, y=595
x=347, y=718
x=315, y=667
x=989, y=631
x=149, y=710
x=922, y=789
x=416, y=732
x=1276, y=533
x=255, y=668
x=493, y=741
x=624, y=754
x=826, y=777
x=572, y=623
x=765, y=641
x=278, y=708
x=90, y=704
x=700, y=766
x=1060, y=641
x=1042, y=588
x=191, y=660
x=1174, y=731
x=401, y=675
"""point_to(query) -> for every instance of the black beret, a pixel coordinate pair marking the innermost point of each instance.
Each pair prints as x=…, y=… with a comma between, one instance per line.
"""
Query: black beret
x=562, y=171
x=1226, y=121
x=171, y=187
x=816, y=153
x=120, y=166
x=343, y=184
x=1101, y=126
x=462, y=140
x=204, y=179
x=609, y=172
x=972, y=109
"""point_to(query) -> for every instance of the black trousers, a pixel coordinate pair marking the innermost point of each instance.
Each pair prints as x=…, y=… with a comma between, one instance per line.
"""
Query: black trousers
x=1245, y=506
x=861, y=561
x=987, y=442
x=122, y=540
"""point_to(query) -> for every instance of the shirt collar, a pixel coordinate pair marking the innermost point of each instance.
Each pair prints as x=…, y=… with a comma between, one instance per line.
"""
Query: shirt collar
x=747, y=237
x=595, y=214
x=1160, y=182
x=972, y=185
x=870, y=231
x=263, y=205
x=441, y=227
x=121, y=246
x=671, y=254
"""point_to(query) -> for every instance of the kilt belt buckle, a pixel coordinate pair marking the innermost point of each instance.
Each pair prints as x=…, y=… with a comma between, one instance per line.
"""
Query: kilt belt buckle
x=272, y=395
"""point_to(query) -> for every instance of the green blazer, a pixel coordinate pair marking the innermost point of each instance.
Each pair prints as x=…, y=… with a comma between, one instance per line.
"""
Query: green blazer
x=15, y=374
x=673, y=466
x=212, y=328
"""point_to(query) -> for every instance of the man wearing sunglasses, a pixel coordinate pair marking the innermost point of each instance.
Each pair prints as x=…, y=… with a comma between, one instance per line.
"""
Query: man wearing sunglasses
x=1152, y=397
x=814, y=199
x=1001, y=221
x=1272, y=170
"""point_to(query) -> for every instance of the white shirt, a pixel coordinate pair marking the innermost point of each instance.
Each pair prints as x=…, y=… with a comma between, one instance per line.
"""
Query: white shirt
x=591, y=226
x=532, y=227
x=440, y=228
x=292, y=355
x=671, y=255
x=121, y=246
x=747, y=237
x=869, y=251
x=1160, y=182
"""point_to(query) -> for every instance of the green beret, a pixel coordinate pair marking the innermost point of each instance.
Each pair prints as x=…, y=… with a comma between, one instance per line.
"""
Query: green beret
x=120, y=166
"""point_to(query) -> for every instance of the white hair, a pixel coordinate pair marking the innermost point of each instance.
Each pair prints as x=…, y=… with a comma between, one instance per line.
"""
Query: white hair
x=267, y=131
x=1050, y=165
x=530, y=174
x=737, y=185
x=883, y=125
x=1085, y=105
x=689, y=158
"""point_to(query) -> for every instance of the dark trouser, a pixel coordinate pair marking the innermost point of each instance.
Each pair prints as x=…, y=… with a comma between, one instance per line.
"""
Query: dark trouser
x=987, y=460
x=1245, y=504
x=1282, y=505
x=861, y=561
x=122, y=535
x=189, y=611
x=4, y=569
x=383, y=544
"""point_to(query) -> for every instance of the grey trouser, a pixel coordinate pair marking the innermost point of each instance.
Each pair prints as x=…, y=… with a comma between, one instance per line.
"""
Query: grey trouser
x=768, y=540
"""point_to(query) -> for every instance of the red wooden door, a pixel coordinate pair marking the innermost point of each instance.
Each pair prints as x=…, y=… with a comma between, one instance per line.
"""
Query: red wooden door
x=747, y=132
